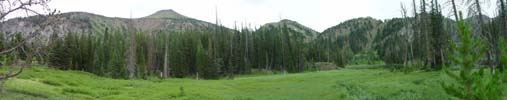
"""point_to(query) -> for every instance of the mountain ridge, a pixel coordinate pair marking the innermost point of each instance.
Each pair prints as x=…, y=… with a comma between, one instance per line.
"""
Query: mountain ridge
x=168, y=13
x=85, y=22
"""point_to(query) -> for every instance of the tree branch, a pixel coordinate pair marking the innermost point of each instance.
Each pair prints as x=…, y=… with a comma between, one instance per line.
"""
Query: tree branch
x=22, y=6
x=3, y=77
x=50, y=19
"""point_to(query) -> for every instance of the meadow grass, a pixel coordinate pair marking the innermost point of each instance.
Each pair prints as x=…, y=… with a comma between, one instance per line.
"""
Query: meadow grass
x=349, y=84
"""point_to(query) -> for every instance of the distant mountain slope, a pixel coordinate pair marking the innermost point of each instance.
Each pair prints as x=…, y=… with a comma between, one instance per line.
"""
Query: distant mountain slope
x=358, y=34
x=308, y=33
x=82, y=22
x=474, y=22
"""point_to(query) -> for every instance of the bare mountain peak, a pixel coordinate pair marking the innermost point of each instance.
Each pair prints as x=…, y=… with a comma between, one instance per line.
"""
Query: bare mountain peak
x=168, y=13
x=283, y=21
x=293, y=25
x=286, y=20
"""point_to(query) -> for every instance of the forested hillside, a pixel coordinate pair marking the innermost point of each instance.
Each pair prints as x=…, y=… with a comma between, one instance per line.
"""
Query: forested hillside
x=356, y=34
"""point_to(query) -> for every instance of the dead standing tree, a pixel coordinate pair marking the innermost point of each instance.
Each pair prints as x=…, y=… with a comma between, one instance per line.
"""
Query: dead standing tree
x=29, y=7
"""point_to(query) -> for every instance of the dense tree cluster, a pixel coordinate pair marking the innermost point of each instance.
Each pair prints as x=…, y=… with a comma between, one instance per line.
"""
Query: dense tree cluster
x=200, y=53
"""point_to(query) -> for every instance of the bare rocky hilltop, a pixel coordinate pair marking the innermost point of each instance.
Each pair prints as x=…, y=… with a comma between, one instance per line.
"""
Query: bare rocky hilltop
x=83, y=22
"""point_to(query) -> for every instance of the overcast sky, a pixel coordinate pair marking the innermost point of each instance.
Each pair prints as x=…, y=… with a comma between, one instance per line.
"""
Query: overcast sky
x=316, y=14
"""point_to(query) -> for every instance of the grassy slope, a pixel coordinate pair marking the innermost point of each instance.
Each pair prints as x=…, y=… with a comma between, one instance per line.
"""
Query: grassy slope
x=45, y=83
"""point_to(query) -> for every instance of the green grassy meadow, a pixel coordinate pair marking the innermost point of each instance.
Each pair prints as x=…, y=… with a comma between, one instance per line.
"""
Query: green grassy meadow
x=348, y=84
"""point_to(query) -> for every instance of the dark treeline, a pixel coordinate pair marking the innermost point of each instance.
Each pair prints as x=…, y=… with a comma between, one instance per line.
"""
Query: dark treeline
x=201, y=53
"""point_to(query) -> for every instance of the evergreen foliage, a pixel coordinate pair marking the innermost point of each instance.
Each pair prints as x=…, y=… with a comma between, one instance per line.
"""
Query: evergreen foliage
x=471, y=83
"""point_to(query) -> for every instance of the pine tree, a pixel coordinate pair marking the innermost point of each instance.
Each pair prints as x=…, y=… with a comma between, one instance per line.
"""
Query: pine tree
x=471, y=84
x=57, y=55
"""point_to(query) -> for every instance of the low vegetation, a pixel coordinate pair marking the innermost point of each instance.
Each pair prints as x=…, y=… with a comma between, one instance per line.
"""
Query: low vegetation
x=351, y=83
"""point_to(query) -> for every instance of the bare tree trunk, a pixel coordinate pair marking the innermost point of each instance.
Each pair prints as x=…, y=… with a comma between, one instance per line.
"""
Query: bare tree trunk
x=131, y=52
x=479, y=11
x=245, y=57
x=166, y=70
x=455, y=10
x=301, y=63
x=230, y=70
x=486, y=34
x=407, y=46
x=423, y=6
x=414, y=29
x=503, y=17
x=151, y=54
x=197, y=76
x=442, y=57
x=424, y=33
x=283, y=50
x=267, y=62
x=415, y=9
